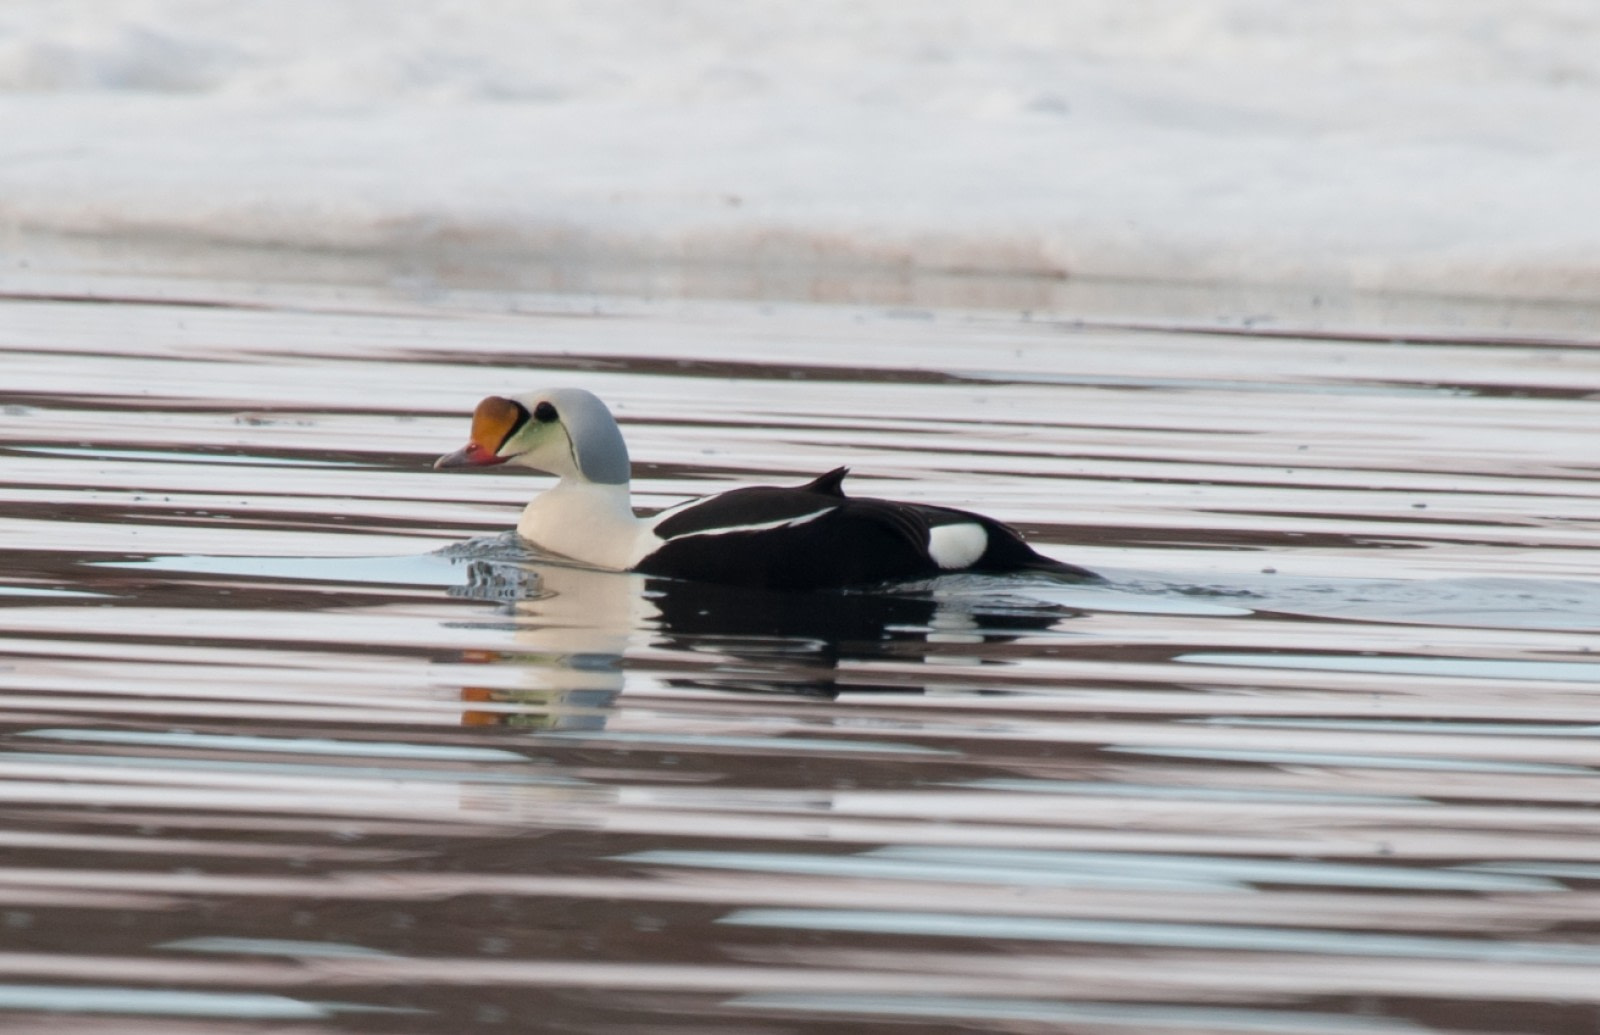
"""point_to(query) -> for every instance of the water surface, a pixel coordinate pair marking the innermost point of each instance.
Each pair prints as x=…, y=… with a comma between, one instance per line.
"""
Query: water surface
x=297, y=737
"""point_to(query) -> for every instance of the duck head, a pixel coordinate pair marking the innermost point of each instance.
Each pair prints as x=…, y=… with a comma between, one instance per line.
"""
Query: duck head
x=567, y=432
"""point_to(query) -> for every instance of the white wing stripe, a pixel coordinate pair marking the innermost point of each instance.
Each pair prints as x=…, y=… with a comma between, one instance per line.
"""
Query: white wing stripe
x=763, y=526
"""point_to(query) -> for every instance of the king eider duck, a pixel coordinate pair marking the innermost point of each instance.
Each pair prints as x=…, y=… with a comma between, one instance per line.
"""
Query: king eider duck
x=808, y=537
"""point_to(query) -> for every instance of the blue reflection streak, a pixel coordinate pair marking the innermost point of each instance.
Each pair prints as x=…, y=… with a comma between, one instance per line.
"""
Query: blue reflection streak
x=285, y=745
x=875, y=867
x=1152, y=934
x=1279, y=1022
x=169, y=1003
x=276, y=947
x=1466, y=668
x=1345, y=759
x=1227, y=870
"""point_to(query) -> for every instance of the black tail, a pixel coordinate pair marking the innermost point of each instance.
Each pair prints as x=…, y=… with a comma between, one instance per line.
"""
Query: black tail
x=1007, y=552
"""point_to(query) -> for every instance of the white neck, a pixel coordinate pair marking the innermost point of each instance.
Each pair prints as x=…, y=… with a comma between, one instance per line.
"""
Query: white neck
x=587, y=522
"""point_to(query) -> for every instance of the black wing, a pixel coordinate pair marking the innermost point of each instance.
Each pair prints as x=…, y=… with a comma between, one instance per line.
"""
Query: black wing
x=851, y=543
x=759, y=505
x=817, y=538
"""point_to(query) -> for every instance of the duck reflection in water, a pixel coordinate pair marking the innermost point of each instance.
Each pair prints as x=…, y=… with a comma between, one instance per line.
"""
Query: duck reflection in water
x=575, y=625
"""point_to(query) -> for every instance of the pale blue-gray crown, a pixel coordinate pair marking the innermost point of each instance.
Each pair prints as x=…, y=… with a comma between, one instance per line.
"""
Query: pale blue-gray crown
x=597, y=442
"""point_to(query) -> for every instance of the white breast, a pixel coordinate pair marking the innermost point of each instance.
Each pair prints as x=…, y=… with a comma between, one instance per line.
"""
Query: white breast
x=587, y=522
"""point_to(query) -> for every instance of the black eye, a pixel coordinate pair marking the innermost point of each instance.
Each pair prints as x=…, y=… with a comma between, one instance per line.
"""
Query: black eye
x=544, y=413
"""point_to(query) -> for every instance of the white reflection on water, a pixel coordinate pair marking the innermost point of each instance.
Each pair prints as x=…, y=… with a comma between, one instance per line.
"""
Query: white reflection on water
x=177, y=457
x=287, y=745
x=68, y=999
x=1470, y=668
x=42, y=591
x=1099, y=788
x=1235, y=871
x=431, y=569
x=1332, y=758
x=1164, y=935
x=1481, y=729
x=784, y=744
x=1116, y=1015
x=275, y=947
x=1109, y=869
x=874, y=866
x=14, y=763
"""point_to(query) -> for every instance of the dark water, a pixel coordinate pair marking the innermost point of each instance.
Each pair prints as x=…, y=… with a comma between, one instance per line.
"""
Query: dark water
x=296, y=738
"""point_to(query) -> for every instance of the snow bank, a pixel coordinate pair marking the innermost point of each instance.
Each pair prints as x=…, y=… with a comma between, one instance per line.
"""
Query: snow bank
x=1440, y=146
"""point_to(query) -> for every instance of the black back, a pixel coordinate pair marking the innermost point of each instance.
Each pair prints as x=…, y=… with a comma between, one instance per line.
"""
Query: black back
x=849, y=542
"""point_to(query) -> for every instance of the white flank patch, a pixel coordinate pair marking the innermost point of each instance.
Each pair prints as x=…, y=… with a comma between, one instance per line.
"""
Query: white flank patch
x=957, y=546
